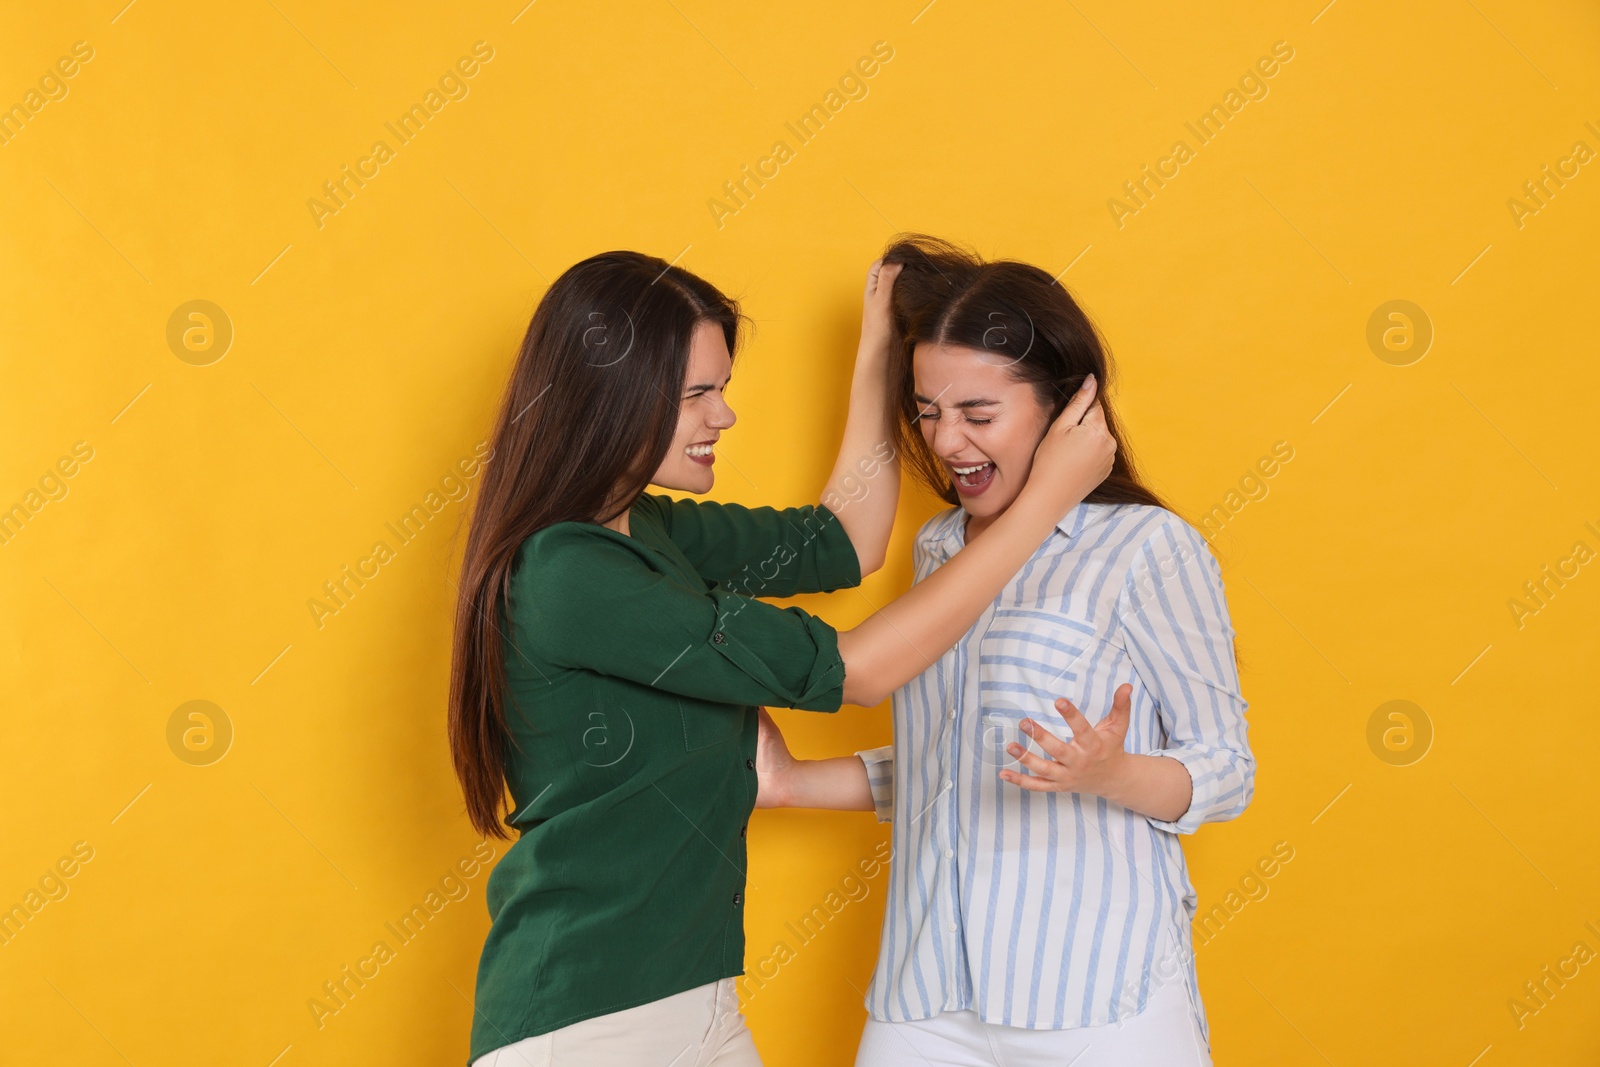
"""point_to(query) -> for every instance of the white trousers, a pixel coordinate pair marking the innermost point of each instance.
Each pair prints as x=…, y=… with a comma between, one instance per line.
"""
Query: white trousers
x=1165, y=1034
x=700, y=1027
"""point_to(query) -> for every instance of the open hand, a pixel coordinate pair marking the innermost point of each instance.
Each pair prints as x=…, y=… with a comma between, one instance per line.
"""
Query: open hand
x=1091, y=762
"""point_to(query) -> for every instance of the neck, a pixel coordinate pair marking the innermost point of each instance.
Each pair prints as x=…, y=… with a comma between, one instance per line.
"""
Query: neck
x=618, y=522
x=976, y=524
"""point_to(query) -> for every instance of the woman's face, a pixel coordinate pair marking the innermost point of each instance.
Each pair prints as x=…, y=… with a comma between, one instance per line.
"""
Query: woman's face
x=702, y=415
x=981, y=422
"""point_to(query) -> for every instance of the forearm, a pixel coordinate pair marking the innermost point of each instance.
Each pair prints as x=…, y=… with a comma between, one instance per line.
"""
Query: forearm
x=908, y=636
x=864, y=488
x=1153, y=785
x=838, y=784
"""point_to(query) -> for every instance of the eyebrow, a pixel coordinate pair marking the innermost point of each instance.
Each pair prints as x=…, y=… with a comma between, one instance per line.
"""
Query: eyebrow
x=980, y=402
x=708, y=385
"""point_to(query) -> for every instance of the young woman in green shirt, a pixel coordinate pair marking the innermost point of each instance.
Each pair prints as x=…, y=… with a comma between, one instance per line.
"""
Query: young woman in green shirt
x=609, y=654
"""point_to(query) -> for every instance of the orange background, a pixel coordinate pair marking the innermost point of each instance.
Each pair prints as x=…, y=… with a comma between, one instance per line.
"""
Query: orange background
x=216, y=488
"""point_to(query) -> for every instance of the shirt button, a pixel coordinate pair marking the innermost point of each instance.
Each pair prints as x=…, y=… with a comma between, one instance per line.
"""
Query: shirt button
x=750, y=763
x=953, y=928
x=717, y=637
x=948, y=784
x=949, y=853
x=738, y=898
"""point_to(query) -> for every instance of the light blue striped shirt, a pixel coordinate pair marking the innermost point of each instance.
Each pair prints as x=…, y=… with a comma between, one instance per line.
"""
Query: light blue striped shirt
x=1045, y=910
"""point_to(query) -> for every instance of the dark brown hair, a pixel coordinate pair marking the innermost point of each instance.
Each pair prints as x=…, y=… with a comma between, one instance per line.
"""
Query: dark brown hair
x=946, y=294
x=587, y=418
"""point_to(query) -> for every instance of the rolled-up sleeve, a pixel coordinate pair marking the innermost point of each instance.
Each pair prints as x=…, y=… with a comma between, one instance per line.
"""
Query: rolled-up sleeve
x=586, y=598
x=880, y=779
x=1176, y=628
x=761, y=551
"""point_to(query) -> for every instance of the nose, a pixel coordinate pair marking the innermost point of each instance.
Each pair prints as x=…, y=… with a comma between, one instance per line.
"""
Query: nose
x=946, y=438
x=722, y=416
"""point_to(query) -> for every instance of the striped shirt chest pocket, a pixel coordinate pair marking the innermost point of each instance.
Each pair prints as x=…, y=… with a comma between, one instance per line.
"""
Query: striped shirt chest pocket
x=1027, y=659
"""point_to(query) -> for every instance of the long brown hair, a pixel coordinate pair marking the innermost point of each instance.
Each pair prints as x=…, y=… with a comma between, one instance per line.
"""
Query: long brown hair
x=587, y=418
x=946, y=294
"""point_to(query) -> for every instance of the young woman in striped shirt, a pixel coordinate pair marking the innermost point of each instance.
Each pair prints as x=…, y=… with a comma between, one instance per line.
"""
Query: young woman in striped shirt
x=1039, y=906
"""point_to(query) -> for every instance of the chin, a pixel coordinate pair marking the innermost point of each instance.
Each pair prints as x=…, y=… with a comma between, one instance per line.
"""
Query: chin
x=986, y=506
x=695, y=479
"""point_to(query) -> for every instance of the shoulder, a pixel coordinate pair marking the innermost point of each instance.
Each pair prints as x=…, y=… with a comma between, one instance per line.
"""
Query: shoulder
x=689, y=516
x=568, y=552
x=652, y=507
x=1160, y=545
x=1143, y=526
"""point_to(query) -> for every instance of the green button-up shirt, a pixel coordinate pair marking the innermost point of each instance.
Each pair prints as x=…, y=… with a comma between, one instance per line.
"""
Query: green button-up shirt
x=634, y=665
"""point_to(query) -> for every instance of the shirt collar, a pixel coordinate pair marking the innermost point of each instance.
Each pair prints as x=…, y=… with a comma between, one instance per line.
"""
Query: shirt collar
x=948, y=533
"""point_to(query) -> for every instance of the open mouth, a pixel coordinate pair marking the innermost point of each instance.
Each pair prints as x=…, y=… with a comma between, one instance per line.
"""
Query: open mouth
x=970, y=480
x=702, y=453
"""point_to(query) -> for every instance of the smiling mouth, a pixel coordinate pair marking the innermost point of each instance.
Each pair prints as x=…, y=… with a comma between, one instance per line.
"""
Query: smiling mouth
x=971, y=479
x=702, y=453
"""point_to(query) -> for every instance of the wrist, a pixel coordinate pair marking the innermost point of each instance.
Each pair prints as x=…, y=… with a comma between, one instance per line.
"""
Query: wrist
x=1034, y=510
x=1055, y=496
x=1117, y=786
x=873, y=347
x=774, y=789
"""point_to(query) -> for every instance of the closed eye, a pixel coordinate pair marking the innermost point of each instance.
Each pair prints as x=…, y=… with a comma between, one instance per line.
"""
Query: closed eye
x=926, y=415
x=977, y=403
x=702, y=390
